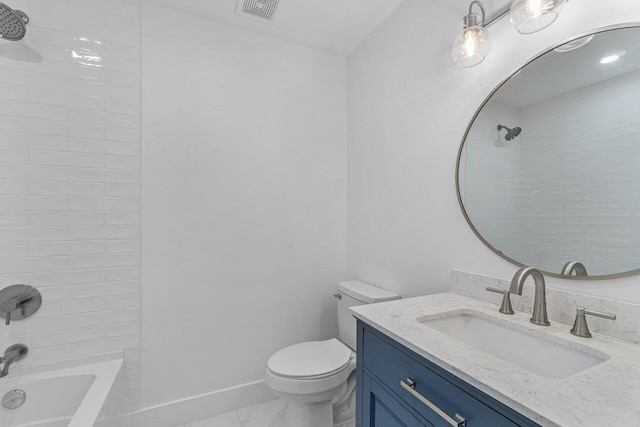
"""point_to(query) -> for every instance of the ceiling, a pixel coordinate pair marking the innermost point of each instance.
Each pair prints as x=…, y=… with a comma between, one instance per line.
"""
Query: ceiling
x=556, y=73
x=334, y=26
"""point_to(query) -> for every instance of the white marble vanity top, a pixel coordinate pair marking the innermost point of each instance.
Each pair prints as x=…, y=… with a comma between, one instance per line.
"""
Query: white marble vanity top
x=607, y=394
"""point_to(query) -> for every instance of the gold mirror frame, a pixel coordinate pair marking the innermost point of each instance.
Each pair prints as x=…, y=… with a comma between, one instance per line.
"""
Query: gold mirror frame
x=464, y=139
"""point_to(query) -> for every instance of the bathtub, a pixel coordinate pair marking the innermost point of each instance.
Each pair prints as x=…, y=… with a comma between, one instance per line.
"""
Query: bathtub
x=65, y=394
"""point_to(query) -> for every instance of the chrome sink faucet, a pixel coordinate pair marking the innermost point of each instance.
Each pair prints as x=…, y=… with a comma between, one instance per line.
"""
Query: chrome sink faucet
x=12, y=354
x=539, y=315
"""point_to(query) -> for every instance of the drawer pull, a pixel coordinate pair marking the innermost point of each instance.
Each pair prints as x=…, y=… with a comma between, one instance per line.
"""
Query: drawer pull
x=457, y=421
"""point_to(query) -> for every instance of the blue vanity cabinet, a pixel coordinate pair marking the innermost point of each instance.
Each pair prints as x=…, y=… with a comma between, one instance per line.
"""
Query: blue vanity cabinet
x=399, y=388
x=384, y=410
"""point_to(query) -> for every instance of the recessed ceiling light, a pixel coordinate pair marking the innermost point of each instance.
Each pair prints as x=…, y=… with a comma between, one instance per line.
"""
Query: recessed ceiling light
x=609, y=59
x=613, y=57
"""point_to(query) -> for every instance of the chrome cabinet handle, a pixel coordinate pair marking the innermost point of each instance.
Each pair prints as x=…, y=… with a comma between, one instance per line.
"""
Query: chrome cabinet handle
x=457, y=421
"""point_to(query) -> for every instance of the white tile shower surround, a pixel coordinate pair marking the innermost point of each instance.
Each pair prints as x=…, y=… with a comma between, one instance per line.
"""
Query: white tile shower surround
x=70, y=181
x=577, y=190
x=489, y=183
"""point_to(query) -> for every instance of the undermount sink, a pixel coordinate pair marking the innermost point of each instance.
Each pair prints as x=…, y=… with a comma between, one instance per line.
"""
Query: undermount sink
x=528, y=350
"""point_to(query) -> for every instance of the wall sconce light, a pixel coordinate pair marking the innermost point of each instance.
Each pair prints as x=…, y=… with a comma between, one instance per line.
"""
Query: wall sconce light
x=471, y=46
x=530, y=16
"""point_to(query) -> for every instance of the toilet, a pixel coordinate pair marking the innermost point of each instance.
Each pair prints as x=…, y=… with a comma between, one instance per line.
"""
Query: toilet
x=316, y=380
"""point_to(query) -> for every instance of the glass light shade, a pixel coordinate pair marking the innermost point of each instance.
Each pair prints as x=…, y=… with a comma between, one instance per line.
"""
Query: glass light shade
x=471, y=46
x=529, y=16
x=573, y=45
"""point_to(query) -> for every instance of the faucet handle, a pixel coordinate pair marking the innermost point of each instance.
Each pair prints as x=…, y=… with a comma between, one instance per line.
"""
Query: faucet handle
x=506, y=307
x=8, y=307
x=580, y=327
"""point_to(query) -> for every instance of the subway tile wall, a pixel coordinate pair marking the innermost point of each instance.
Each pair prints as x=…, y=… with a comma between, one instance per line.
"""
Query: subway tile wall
x=580, y=159
x=490, y=181
x=70, y=180
x=567, y=188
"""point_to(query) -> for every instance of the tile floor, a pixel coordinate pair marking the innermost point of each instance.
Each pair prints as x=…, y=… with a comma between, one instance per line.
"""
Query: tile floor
x=269, y=414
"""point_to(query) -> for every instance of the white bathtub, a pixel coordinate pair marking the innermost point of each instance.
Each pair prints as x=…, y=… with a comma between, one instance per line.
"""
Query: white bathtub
x=66, y=394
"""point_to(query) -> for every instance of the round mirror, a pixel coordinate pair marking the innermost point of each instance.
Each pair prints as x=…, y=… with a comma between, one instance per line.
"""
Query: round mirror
x=548, y=173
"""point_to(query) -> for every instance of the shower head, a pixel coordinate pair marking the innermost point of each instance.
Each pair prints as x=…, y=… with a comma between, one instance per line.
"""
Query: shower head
x=12, y=23
x=511, y=133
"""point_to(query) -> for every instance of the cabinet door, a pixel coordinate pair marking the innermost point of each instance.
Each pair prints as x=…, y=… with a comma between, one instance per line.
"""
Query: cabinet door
x=380, y=409
x=390, y=365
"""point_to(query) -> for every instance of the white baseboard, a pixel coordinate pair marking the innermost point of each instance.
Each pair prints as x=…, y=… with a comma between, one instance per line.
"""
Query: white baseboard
x=196, y=408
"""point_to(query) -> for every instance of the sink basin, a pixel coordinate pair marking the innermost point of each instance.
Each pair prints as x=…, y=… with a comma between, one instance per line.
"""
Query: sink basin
x=544, y=356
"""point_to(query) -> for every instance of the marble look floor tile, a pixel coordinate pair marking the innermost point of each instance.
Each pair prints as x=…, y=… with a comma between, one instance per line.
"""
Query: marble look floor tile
x=230, y=419
x=268, y=414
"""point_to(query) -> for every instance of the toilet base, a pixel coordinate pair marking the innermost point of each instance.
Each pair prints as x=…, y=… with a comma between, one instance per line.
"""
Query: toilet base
x=344, y=409
x=336, y=408
x=313, y=410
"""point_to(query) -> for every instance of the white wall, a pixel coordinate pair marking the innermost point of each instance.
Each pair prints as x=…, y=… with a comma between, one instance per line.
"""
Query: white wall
x=70, y=180
x=244, y=208
x=409, y=107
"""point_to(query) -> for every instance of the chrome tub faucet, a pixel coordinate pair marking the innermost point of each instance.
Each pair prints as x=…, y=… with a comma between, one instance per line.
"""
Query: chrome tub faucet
x=12, y=354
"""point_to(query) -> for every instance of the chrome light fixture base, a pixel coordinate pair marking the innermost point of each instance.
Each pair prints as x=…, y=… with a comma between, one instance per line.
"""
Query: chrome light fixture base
x=471, y=45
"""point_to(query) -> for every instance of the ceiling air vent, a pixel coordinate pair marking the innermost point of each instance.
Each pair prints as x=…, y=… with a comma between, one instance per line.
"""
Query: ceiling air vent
x=264, y=9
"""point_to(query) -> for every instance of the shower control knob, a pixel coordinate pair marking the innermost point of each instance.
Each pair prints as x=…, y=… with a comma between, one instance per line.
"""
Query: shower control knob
x=19, y=302
x=8, y=307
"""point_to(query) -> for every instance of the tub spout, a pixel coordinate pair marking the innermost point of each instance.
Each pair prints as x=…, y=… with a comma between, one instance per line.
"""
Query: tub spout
x=12, y=354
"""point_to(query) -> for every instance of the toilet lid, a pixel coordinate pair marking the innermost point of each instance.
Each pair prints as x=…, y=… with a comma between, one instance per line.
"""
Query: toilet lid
x=310, y=359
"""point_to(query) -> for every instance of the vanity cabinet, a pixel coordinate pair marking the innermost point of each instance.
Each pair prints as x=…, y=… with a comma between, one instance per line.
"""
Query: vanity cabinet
x=383, y=409
x=398, y=388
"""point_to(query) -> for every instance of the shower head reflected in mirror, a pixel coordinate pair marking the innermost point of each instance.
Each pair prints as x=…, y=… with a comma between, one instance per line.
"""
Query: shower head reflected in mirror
x=511, y=133
x=13, y=23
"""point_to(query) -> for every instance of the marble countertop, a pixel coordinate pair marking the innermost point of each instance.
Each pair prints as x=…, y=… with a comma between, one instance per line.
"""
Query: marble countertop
x=607, y=394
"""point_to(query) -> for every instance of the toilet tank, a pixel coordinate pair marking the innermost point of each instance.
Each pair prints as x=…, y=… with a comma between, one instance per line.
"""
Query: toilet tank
x=352, y=294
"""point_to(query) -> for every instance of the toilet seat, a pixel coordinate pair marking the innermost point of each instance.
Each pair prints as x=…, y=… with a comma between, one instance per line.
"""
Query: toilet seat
x=313, y=369
x=310, y=360
x=317, y=380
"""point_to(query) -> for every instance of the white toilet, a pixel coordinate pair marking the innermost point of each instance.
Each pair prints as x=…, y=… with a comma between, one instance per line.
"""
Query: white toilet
x=316, y=380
